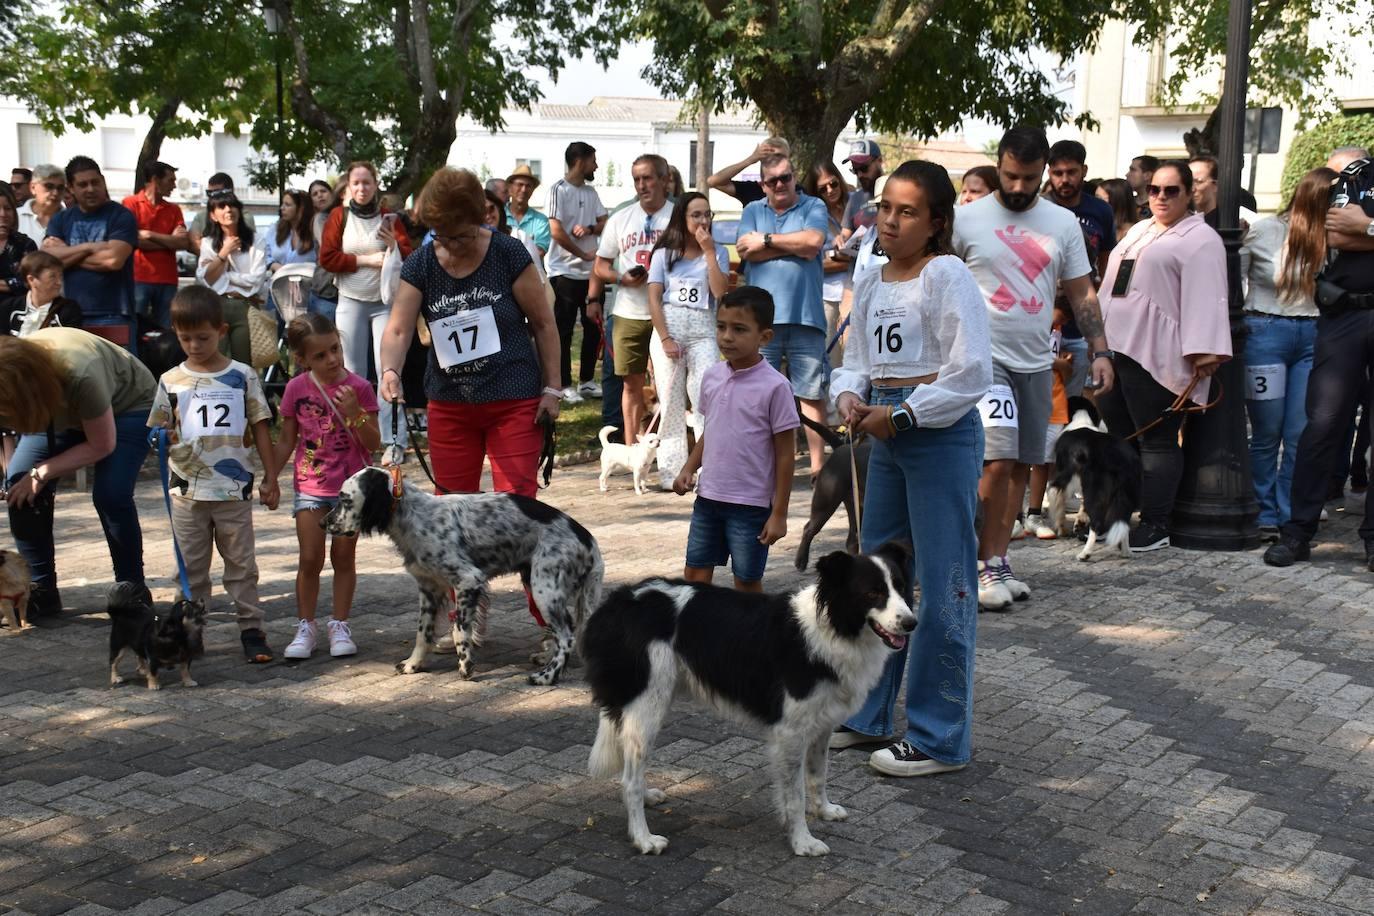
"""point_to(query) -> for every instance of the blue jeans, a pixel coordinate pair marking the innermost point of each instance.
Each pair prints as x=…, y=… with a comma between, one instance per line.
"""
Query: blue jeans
x=322, y=306
x=728, y=531
x=1078, y=369
x=612, y=385
x=804, y=349
x=154, y=302
x=1287, y=342
x=923, y=487
x=112, y=493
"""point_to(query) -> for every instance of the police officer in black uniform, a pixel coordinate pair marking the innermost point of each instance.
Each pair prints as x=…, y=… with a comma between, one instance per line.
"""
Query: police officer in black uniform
x=1343, y=359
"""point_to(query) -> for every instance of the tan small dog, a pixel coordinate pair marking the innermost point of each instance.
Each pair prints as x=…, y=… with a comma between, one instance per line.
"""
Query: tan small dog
x=14, y=590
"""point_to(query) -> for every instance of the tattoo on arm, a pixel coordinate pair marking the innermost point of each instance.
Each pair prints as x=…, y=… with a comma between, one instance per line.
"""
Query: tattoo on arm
x=1088, y=315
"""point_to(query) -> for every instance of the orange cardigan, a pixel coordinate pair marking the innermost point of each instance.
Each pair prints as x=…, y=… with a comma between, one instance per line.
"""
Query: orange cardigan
x=332, y=256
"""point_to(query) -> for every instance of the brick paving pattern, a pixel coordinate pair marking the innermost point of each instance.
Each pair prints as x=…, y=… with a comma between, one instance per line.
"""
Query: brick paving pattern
x=1183, y=732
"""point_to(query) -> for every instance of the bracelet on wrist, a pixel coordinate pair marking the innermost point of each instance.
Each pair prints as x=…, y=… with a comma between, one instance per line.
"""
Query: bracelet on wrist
x=551, y=392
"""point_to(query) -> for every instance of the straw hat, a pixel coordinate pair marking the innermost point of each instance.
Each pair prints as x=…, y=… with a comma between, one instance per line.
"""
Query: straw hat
x=523, y=171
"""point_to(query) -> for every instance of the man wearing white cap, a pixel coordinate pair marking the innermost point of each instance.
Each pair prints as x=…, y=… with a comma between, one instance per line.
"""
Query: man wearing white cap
x=866, y=162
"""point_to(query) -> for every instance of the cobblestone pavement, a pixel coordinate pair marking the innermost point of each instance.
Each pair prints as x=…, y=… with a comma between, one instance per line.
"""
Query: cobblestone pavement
x=1180, y=732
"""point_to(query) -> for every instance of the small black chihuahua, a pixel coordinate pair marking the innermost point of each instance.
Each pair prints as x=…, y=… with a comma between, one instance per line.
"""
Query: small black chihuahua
x=157, y=642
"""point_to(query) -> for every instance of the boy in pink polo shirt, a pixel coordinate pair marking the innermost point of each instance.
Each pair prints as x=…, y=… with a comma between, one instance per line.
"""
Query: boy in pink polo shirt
x=746, y=451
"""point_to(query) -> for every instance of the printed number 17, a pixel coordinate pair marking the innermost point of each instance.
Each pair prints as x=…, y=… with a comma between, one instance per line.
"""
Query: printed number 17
x=458, y=344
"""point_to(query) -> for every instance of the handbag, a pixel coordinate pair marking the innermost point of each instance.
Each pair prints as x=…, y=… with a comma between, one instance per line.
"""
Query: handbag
x=262, y=336
x=391, y=274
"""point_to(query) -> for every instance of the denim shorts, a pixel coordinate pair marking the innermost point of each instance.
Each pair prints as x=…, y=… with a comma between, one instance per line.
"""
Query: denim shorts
x=804, y=349
x=722, y=531
x=304, y=501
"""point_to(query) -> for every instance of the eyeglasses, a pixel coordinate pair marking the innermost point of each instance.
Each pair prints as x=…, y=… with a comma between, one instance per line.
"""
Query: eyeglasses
x=859, y=167
x=827, y=186
x=1168, y=192
x=54, y=187
x=456, y=239
x=778, y=180
x=705, y=216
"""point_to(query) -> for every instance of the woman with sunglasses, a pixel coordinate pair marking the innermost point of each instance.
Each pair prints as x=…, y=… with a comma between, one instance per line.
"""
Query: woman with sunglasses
x=13, y=245
x=1164, y=307
x=233, y=263
x=824, y=181
x=354, y=246
x=688, y=273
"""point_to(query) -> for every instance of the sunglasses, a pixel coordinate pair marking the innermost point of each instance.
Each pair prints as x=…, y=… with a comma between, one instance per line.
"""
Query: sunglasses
x=50, y=186
x=1168, y=192
x=217, y=193
x=778, y=180
x=827, y=186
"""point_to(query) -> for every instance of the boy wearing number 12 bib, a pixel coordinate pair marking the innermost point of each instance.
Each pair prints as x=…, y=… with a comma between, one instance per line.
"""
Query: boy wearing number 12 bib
x=218, y=416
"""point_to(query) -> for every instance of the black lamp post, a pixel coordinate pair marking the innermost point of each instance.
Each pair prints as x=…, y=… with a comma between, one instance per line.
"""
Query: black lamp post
x=1216, y=508
x=273, y=23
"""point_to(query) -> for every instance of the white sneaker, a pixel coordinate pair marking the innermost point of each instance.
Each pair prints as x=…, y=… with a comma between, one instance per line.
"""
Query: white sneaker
x=341, y=639
x=992, y=594
x=1019, y=590
x=570, y=396
x=303, y=646
x=1018, y=530
x=1038, y=525
x=1325, y=516
x=589, y=390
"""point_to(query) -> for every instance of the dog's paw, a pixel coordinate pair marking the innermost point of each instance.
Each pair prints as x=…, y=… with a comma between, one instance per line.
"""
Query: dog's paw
x=154, y=685
x=809, y=846
x=190, y=683
x=116, y=681
x=465, y=670
x=545, y=678
x=1084, y=555
x=408, y=667
x=654, y=797
x=831, y=812
x=653, y=844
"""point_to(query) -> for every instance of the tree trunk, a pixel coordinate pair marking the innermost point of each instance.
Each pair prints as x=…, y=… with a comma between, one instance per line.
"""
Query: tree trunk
x=703, y=147
x=152, y=141
x=303, y=102
x=428, y=148
x=1205, y=141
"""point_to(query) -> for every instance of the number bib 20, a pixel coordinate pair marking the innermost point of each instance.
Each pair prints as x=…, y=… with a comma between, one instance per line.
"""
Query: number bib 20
x=1266, y=383
x=466, y=336
x=688, y=293
x=998, y=408
x=212, y=412
x=892, y=334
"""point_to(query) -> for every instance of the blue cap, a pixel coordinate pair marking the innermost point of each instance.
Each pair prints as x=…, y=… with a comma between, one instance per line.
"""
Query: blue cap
x=861, y=151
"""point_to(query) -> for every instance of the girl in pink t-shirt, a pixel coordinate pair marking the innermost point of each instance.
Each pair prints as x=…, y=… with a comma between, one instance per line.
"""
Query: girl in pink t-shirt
x=329, y=421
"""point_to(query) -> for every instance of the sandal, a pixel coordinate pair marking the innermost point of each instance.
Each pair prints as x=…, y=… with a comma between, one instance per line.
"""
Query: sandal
x=255, y=647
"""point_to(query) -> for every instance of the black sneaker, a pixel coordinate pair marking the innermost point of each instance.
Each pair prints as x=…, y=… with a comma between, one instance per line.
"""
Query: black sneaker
x=255, y=647
x=1287, y=551
x=1146, y=537
x=903, y=759
x=1369, y=554
x=44, y=602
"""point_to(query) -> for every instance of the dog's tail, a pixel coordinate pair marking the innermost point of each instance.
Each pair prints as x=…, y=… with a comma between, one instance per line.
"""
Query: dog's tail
x=831, y=437
x=126, y=598
x=589, y=595
x=604, y=435
x=1118, y=535
x=607, y=757
x=1054, y=507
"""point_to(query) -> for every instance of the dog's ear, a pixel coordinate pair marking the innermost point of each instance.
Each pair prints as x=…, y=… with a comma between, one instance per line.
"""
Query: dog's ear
x=898, y=555
x=374, y=514
x=834, y=566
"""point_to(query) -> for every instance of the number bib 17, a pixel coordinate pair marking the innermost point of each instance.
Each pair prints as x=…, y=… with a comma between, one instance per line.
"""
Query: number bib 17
x=212, y=412
x=466, y=336
x=998, y=407
x=1266, y=383
x=688, y=293
x=892, y=336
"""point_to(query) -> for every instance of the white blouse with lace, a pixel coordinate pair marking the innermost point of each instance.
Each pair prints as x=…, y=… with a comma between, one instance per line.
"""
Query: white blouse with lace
x=936, y=323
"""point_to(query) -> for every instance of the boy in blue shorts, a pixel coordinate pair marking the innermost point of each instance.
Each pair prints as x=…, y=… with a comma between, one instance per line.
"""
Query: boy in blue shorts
x=746, y=452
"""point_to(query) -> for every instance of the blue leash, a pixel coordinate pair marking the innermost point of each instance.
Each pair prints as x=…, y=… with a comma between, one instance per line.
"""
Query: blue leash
x=839, y=332
x=162, y=438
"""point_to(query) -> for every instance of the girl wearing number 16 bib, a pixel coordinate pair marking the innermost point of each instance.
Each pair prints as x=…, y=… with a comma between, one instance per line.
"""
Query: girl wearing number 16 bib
x=687, y=274
x=917, y=364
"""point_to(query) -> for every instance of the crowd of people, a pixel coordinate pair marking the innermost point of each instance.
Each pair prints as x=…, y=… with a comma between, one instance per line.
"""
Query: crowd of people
x=950, y=325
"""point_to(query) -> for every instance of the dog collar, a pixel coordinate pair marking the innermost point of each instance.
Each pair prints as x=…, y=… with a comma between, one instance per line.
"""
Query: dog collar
x=15, y=597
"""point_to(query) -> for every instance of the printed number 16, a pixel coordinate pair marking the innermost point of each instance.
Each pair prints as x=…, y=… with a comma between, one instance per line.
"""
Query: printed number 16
x=890, y=336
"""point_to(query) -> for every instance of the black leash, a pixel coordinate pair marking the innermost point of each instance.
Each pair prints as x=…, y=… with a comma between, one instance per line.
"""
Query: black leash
x=550, y=446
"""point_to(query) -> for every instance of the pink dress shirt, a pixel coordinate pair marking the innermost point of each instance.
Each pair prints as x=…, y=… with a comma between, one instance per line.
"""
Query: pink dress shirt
x=1176, y=303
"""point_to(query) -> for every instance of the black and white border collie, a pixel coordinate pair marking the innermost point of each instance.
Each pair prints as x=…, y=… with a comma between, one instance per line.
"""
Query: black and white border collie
x=796, y=665
x=1108, y=472
x=454, y=544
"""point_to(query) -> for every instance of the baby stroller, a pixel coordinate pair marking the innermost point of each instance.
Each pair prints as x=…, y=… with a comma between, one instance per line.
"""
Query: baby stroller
x=290, y=288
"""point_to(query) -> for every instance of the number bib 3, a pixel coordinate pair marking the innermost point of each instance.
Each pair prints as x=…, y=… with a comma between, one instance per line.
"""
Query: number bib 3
x=1266, y=383
x=212, y=412
x=998, y=408
x=893, y=333
x=464, y=337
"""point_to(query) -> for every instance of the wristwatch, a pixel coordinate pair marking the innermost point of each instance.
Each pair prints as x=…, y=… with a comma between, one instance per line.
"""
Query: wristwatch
x=35, y=477
x=902, y=419
x=1104, y=354
x=1369, y=230
x=768, y=240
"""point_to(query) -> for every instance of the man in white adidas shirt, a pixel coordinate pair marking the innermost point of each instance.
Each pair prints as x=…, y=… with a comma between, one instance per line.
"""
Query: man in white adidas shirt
x=623, y=259
x=1020, y=248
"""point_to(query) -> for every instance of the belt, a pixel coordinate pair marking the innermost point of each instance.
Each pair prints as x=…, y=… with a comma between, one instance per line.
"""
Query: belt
x=1260, y=314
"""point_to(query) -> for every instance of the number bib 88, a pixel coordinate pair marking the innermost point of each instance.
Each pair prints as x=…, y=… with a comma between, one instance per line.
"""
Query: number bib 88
x=464, y=337
x=212, y=412
x=688, y=293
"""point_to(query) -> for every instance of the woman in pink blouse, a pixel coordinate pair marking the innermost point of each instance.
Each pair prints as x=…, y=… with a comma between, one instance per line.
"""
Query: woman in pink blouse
x=1165, y=311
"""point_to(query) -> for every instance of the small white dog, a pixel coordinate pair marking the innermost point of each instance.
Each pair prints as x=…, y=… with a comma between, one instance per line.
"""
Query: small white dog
x=638, y=459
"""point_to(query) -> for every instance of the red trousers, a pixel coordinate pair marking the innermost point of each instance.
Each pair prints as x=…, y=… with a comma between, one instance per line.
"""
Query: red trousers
x=462, y=436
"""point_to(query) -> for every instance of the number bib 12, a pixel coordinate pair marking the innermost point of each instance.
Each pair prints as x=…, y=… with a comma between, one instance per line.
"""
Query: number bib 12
x=998, y=408
x=212, y=412
x=688, y=293
x=466, y=336
x=1266, y=383
x=892, y=334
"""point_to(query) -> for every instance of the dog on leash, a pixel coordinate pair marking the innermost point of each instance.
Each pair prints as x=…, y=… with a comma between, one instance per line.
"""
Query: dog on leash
x=14, y=590
x=638, y=459
x=157, y=642
x=794, y=665
x=833, y=487
x=1108, y=474
x=454, y=544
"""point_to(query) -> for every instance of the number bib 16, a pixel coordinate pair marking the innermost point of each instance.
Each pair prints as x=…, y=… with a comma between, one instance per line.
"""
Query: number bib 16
x=998, y=407
x=688, y=293
x=1266, y=383
x=212, y=412
x=466, y=336
x=892, y=335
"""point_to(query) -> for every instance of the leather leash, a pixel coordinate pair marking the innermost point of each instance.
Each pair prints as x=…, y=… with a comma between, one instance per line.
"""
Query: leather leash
x=1181, y=405
x=854, y=485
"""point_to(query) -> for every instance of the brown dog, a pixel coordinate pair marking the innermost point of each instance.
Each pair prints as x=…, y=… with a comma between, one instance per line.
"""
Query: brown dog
x=14, y=590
